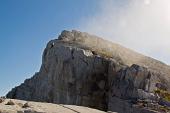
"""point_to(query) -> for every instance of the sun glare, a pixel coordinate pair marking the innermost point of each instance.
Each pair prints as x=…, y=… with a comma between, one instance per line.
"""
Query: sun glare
x=147, y=2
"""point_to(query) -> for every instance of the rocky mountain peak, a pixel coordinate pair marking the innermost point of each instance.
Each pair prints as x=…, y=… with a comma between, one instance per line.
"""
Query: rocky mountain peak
x=86, y=70
x=71, y=35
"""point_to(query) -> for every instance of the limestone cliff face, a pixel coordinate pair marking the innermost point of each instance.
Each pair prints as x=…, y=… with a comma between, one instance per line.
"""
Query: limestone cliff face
x=82, y=69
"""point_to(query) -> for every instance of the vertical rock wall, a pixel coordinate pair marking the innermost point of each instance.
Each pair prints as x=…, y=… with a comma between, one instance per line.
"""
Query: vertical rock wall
x=74, y=73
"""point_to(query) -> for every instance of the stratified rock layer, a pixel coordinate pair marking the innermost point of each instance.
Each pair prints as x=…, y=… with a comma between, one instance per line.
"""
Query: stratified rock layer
x=82, y=69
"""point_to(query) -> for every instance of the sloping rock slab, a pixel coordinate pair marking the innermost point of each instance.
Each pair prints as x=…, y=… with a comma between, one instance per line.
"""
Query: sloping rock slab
x=37, y=107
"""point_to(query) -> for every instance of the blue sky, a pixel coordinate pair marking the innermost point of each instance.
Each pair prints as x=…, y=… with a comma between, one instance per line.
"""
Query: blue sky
x=27, y=25
x=25, y=28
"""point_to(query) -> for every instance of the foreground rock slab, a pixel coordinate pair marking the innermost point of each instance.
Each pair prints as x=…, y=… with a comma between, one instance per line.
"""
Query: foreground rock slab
x=37, y=107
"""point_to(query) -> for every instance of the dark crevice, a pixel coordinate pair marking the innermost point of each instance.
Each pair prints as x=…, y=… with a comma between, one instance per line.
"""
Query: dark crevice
x=72, y=53
x=84, y=61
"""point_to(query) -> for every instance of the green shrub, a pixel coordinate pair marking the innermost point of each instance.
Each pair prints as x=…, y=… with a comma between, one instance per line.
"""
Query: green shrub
x=163, y=94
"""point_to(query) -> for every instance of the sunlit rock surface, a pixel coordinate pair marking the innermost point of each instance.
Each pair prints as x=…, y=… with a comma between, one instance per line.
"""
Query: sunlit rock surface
x=38, y=107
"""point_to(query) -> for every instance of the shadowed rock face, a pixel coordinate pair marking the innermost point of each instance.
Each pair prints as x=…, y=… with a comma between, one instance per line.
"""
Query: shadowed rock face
x=82, y=69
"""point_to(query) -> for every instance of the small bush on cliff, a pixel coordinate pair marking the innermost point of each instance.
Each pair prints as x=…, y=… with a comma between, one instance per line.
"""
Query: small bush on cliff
x=163, y=94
